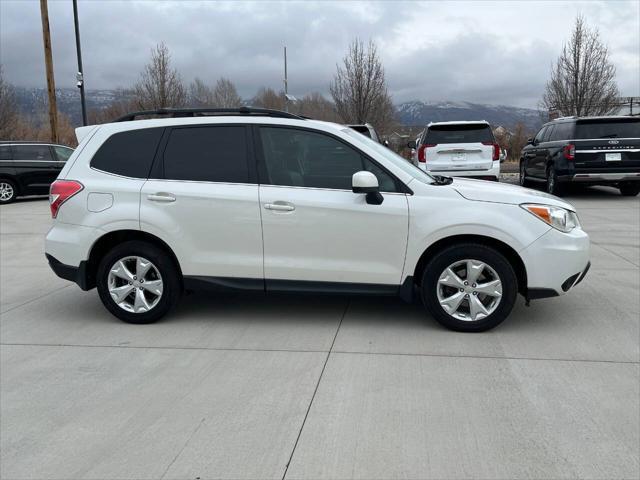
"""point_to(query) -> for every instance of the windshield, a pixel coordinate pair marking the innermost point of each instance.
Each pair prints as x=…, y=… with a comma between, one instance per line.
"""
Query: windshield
x=619, y=128
x=391, y=156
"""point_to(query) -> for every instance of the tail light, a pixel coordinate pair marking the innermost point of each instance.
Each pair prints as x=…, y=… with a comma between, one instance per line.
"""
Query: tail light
x=496, y=150
x=569, y=151
x=422, y=154
x=61, y=191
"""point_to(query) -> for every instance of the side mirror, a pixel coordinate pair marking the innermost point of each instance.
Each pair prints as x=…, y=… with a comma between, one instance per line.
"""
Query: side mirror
x=386, y=143
x=412, y=144
x=367, y=183
x=529, y=141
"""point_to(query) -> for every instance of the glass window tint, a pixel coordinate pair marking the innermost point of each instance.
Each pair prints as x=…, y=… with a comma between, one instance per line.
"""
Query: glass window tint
x=63, y=153
x=129, y=153
x=32, y=152
x=5, y=152
x=540, y=134
x=209, y=154
x=301, y=158
x=458, y=133
x=563, y=131
x=548, y=135
x=618, y=128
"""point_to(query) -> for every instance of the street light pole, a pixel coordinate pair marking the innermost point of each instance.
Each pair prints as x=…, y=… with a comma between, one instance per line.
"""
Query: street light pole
x=79, y=75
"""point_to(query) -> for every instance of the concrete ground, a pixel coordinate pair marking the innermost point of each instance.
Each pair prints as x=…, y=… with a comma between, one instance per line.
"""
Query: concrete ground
x=302, y=387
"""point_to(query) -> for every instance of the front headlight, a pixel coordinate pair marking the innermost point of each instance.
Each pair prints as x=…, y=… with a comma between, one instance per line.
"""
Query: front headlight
x=558, y=217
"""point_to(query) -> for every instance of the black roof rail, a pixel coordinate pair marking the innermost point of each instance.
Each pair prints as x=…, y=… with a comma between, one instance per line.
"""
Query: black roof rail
x=201, y=112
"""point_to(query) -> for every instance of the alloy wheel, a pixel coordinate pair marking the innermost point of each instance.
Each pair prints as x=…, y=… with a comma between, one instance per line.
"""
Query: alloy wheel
x=6, y=191
x=469, y=290
x=135, y=284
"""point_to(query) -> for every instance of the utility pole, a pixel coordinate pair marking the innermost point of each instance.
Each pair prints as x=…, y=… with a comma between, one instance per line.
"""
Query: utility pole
x=286, y=91
x=80, y=75
x=48, y=59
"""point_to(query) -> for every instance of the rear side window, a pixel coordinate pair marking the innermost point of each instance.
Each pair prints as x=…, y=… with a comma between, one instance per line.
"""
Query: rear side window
x=207, y=154
x=562, y=131
x=460, y=133
x=541, y=134
x=129, y=153
x=5, y=153
x=618, y=128
x=32, y=152
x=63, y=153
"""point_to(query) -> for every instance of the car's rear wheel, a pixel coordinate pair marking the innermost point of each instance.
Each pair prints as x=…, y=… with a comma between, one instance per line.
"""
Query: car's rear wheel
x=524, y=181
x=629, y=189
x=554, y=187
x=138, y=282
x=8, y=191
x=469, y=287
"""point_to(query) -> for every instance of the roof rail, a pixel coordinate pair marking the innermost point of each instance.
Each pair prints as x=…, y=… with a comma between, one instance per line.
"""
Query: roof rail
x=201, y=112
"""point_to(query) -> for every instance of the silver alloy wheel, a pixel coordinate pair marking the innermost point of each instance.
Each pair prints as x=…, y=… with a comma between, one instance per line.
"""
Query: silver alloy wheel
x=135, y=284
x=469, y=290
x=6, y=191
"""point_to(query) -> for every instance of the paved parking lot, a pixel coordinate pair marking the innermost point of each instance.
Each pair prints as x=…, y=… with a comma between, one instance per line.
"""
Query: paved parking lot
x=249, y=386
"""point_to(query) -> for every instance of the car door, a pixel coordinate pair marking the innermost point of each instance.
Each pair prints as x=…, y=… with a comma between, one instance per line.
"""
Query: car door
x=202, y=199
x=34, y=165
x=537, y=153
x=318, y=233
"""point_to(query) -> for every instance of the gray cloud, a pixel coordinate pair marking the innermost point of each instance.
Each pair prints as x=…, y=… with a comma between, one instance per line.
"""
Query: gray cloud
x=493, y=52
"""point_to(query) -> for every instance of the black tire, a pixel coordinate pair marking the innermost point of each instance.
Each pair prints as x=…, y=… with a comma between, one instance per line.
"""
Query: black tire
x=460, y=252
x=169, y=274
x=524, y=181
x=554, y=186
x=8, y=191
x=629, y=189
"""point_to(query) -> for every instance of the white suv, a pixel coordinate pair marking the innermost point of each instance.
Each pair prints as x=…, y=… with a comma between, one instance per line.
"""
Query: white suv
x=265, y=200
x=461, y=149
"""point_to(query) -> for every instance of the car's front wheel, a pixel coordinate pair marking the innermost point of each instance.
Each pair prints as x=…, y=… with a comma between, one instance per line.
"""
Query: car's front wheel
x=469, y=287
x=138, y=282
x=629, y=189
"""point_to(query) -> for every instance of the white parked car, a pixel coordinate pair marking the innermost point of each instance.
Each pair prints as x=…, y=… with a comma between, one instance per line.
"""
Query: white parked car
x=460, y=149
x=264, y=200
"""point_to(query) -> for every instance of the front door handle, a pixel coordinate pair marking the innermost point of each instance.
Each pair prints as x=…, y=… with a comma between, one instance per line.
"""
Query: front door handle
x=280, y=206
x=161, y=197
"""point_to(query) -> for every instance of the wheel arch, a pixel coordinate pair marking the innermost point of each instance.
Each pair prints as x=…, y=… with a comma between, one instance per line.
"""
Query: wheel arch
x=111, y=239
x=13, y=179
x=512, y=256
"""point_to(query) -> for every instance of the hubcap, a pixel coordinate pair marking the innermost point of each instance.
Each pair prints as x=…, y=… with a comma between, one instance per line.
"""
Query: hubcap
x=135, y=284
x=6, y=191
x=469, y=290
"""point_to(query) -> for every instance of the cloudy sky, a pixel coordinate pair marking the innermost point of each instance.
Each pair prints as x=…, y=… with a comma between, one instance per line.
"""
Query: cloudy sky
x=496, y=52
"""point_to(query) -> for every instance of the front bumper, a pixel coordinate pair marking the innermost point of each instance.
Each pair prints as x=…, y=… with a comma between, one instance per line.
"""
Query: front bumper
x=556, y=262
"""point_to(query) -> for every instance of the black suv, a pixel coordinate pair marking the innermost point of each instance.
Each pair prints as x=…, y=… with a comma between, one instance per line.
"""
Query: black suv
x=589, y=150
x=28, y=168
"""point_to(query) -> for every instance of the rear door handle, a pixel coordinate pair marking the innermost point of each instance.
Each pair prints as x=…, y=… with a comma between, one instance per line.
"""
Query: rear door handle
x=280, y=206
x=161, y=197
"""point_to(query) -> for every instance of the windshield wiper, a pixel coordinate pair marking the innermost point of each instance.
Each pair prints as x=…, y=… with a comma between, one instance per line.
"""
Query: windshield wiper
x=441, y=180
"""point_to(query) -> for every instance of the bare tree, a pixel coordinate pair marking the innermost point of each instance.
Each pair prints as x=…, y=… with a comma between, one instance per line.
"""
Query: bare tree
x=160, y=86
x=268, y=98
x=583, y=79
x=225, y=94
x=315, y=106
x=124, y=103
x=8, y=109
x=200, y=95
x=359, y=89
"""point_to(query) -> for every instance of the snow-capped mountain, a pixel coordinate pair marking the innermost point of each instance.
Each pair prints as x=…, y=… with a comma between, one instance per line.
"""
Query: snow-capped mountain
x=417, y=113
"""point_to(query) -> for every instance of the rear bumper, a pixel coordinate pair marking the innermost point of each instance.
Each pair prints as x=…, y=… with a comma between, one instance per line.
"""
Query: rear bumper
x=605, y=177
x=74, y=274
x=493, y=172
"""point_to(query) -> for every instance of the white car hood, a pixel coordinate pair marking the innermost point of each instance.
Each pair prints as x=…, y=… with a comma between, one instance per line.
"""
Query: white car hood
x=483, y=191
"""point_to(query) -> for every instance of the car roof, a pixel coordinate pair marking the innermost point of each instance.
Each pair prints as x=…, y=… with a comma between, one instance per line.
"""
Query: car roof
x=459, y=122
x=28, y=142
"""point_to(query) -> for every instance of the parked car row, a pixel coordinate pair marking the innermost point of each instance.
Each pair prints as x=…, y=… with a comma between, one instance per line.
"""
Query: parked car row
x=29, y=168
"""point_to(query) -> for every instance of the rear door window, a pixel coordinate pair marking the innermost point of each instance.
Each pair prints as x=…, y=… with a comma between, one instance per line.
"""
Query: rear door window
x=129, y=153
x=209, y=154
x=618, y=128
x=548, y=135
x=540, y=135
x=459, y=133
x=40, y=153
